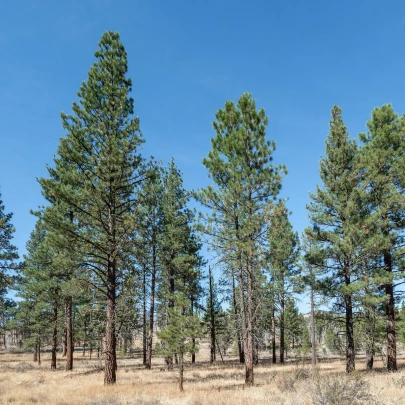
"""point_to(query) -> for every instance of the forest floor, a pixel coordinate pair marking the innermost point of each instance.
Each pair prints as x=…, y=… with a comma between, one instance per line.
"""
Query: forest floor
x=24, y=382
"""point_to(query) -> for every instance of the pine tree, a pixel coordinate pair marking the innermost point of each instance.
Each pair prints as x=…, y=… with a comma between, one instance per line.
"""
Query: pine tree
x=246, y=185
x=97, y=172
x=306, y=341
x=41, y=280
x=182, y=330
x=178, y=255
x=8, y=252
x=312, y=268
x=8, y=258
x=336, y=214
x=283, y=251
x=383, y=162
x=293, y=323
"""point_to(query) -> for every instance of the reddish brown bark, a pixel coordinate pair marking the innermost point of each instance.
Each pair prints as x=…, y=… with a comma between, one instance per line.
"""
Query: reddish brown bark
x=54, y=337
x=110, y=363
x=390, y=313
x=69, y=333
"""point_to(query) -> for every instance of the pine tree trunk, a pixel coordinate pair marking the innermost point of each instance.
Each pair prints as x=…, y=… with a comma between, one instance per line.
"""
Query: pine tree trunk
x=370, y=337
x=273, y=335
x=151, y=309
x=282, y=343
x=244, y=328
x=193, y=353
x=35, y=357
x=144, y=337
x=84, y=340
x=212, y=320
x=390, y=313
x=54, y=337
x=313, y=341
x=193, y=339
x=64, y=343
x=110, y=342
x=235, y=311
x=181, y=372
x=115, y=349
x=249, y=377
x=169, y=359
x=350, y=351
x=256, y=354
x=39, y=351
x=69, y=333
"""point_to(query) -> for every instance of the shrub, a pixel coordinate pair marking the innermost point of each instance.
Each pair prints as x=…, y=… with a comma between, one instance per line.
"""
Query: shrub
x=285, y=383
x=341, y=390
x=105, y=401
x=22, y=367
x=400, y=382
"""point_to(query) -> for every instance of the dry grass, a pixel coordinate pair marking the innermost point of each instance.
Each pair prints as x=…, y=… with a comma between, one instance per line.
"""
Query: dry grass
x=23, y=382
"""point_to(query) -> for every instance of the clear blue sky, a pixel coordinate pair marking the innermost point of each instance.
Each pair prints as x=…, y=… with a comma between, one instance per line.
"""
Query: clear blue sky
x=186, y=58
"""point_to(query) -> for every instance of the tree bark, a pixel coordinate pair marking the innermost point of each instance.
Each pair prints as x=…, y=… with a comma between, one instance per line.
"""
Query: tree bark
x=35, y=357
x=369, y=360
x=84, y=340
x=235, y=310
x=64, y=342
x=110, y=344
x=152, y=308
x=144, y=337
x=273, y=334
x=282, y=343
x=181, y=372
x=350, y=350
x=256, y=353
x=249, y=376
x=169, y=359
x=390, y=313
x=69, y=333
x=212, y=319
x=54, y=337
x=193, y=353
x=193, y=339
x=313, y=341
x=370, y=337
x=39, y=351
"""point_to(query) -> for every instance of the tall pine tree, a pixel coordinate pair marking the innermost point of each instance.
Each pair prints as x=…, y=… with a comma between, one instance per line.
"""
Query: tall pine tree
x=246, y=183
x=336, y=215
x=97, y=171
x=383, y=162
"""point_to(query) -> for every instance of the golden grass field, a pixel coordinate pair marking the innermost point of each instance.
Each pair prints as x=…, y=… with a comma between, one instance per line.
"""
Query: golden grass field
x=24, y=382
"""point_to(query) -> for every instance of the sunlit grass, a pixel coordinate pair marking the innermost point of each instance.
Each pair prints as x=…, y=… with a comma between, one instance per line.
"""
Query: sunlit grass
x=24, y=382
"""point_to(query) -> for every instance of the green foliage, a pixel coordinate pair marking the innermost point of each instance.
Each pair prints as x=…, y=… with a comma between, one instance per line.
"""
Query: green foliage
x=8, y=252
x=179, y=243
x=336, y=211
x=333, y=340
x=306, y=341
x=98, y=167
x=293, y=322
x=182, y=328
